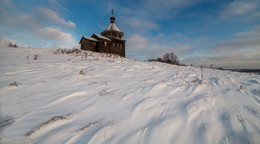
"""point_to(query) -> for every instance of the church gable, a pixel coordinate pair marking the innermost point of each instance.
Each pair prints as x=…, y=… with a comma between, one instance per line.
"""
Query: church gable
x=88, y=43
x=87, y=38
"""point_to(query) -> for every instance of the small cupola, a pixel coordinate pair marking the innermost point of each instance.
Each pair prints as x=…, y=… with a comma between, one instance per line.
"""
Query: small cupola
x=112, y=18
x=112, y=26
x=112, y=30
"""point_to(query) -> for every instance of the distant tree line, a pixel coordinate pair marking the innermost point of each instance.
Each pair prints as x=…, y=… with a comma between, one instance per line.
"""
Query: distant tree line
x=12, y=45
x=170, y=58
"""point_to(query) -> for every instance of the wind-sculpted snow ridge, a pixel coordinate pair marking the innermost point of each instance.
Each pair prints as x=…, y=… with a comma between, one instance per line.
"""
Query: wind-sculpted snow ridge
x=100, y=98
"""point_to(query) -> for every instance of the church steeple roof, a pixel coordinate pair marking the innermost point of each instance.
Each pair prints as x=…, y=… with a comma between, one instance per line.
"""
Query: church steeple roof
x=112, y=25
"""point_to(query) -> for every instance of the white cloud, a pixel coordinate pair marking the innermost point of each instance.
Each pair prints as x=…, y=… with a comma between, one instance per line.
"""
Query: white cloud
x=241, y=52
x=239, y=8
x=140, y=24
x=253, y=33
x=137, y=42
x=149, y=48
x=234, y=60
x=54, y=34
x=169, y=4
x=55, y=2
x=17, y=21
x=22, y=23
x=149, y=10
x=134, y=25
x=7, y=4
x=246, y=40
x=248, y=34
x=40, y=28
x=234, y=45
x=46, y=14
x=42, y=17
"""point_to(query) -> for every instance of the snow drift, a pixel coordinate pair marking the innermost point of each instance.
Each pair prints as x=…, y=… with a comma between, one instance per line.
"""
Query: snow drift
x=102, y=98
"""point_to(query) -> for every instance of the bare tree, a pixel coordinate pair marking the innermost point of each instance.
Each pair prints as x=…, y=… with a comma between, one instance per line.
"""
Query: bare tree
x=211, y=66
x=201, y=68
x=10, y=44
x=171, y=58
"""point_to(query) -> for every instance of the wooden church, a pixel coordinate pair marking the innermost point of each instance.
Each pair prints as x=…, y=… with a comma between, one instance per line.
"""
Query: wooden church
x=110, y=40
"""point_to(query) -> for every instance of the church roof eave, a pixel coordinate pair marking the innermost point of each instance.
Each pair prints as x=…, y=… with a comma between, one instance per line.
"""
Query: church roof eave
x=101, y=37
x=88, y=38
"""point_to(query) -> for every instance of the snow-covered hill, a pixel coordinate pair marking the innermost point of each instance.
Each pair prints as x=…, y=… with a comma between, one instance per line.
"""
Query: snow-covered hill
x=101, y=98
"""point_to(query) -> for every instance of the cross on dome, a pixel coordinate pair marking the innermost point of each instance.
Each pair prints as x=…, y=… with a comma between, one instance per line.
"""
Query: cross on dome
x=112, y=25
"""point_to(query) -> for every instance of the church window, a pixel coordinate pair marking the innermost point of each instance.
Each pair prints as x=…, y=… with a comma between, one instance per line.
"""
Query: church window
x=121, y=46
x=105, y=43
x=94, y=43
x=113, y=45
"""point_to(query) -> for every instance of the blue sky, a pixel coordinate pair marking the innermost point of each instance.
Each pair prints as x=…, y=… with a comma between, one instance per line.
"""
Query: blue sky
x=224, y=33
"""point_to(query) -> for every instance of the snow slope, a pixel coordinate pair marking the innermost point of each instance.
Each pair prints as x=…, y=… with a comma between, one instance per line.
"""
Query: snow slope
x=102, y=98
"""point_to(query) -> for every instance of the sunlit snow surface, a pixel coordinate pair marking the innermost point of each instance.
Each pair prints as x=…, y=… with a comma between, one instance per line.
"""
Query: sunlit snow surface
x=99, y=98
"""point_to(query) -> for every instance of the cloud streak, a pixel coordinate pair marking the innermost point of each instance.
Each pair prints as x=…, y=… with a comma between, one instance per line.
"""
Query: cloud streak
x=239, y=8
x=233, y=53
x=7, y=4
x=51, y=33
x=40, y=24
x=47, y=15
x=149, y=48
x=137, y=24
x=237, y=61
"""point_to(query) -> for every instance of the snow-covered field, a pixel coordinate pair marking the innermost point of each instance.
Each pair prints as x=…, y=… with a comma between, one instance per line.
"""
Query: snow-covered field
x=100, y=98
